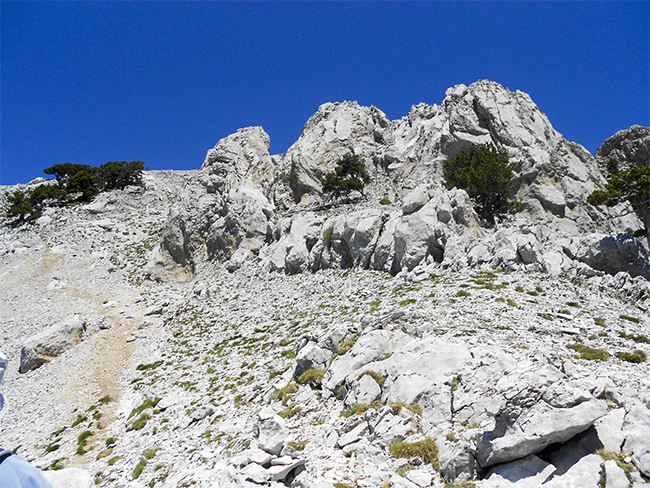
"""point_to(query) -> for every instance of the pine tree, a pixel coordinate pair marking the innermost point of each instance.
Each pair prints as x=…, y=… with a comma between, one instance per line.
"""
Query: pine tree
x=632, y=186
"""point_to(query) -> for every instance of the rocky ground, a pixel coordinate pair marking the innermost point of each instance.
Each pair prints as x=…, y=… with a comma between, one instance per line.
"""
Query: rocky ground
x=254, y=377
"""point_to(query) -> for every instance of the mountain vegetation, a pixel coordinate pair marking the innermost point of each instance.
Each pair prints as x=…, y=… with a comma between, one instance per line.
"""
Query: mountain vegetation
x=75, y=183
x=350, y=175
x=487, y=176
x=631, y=186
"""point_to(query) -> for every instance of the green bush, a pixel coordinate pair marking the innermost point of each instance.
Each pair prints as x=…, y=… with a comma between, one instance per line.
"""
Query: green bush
x=632, y=186
x=486, y=175
x=426, y=449
x=637, y=356
x=350, y=175
x=589, y=353
x=74, y=183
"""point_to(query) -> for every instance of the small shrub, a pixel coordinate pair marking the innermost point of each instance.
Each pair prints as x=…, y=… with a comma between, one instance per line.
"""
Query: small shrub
x=110, y=440
x=289, y=354
x=297, y=445
x=486, y=174
x=311, y=375
x=408, y=301
x=637, y=356
x=78, y=420
x=52, y=447
x=600, y=321
x=140, y=423
x=589, y=353
x=631, y=319
x=148, y=403
x=636, y=338
x=56, y=464
x=350, y=175
x=500, y=299
x=573, y=304
x=462, y=293
x=146, y=367
x=359, y=409
x=137, y=471
x=426, y=449
x=346, y=346
x=385, y=201
x=289, y=412
x=519, y=289
x=82, y=440
x=511, y=302
x=284, y=393
x=327, y=236
x=113, y=460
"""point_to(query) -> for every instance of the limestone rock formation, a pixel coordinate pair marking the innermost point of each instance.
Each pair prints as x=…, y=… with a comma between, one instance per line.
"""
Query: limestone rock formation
x=53, y=341
x=229, y=211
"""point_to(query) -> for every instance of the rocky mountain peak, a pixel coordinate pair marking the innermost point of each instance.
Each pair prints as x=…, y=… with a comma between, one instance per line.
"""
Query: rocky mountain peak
x=628, y=147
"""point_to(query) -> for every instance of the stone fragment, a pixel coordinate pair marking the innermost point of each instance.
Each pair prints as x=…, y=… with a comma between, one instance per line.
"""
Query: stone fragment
x=272, y=431
x=420, y=477
x=354, y=435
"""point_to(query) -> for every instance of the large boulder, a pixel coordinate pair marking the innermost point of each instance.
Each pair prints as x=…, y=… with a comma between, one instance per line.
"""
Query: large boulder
x=53, y=341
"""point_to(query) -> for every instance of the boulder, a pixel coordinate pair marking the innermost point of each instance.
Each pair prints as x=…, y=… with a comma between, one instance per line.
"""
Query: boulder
x=272, y=431
x=52, y=342
x=535, y=429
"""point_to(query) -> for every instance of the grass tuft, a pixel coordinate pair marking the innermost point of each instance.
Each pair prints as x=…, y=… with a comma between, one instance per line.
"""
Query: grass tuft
x=311, y=375
x=637, y=356
x=589, y=353
x=426, y=449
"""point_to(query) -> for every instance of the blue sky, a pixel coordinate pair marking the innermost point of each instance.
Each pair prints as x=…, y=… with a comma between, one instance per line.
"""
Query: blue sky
x=162, y=82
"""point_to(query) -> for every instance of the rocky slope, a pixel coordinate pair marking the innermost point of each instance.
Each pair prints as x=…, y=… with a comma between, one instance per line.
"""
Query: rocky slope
x=227, y=327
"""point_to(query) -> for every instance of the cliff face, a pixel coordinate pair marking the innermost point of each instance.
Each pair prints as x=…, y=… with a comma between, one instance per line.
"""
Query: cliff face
x=247, y=204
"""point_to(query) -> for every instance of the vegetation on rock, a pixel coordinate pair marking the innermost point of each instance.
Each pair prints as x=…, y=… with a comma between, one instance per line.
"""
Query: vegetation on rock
x=487, y=176
x=632, y=186
x=350, y=175
x=75, y=183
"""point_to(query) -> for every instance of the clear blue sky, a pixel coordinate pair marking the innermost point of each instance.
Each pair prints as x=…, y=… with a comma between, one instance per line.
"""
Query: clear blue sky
x=162, y=82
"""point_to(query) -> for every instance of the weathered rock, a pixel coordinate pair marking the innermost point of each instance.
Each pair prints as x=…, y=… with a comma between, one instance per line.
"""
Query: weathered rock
x=272, y=431
x=532, y=431
x=456, y=461
x=528, y=472
x=51, y=342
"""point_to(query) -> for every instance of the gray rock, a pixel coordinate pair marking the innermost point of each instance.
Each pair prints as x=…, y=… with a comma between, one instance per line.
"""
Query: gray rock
x=51, y=342
x=530, y=471
x=456, y=460
x=272, y=431
x=531, y=432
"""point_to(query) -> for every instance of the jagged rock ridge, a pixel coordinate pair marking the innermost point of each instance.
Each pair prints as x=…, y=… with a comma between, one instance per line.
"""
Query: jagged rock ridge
x=247, y=204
